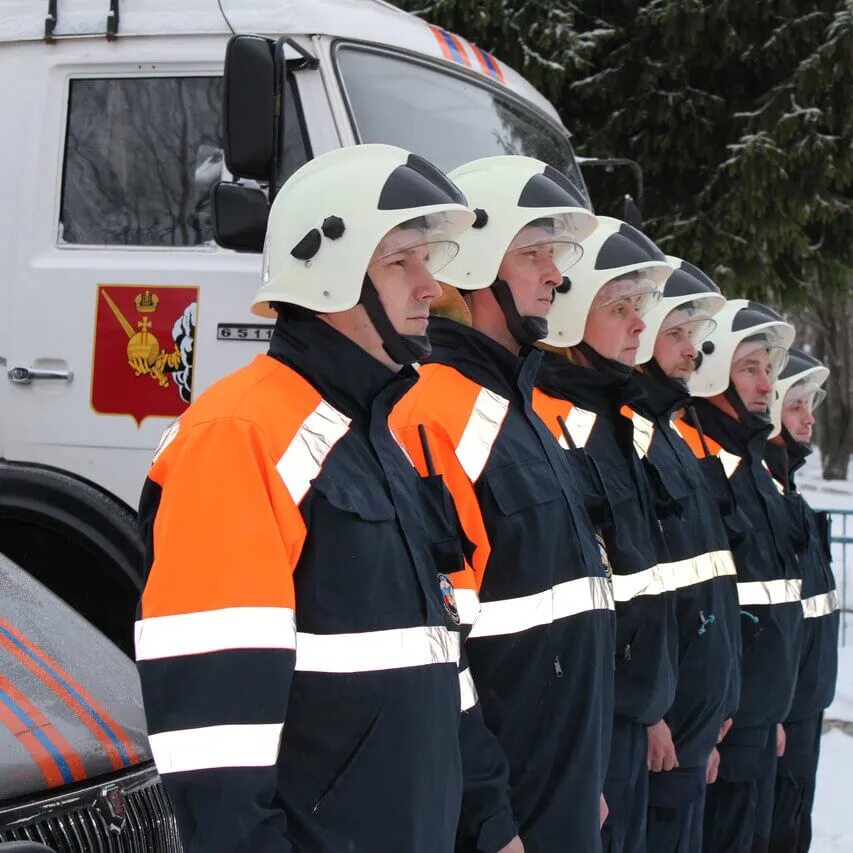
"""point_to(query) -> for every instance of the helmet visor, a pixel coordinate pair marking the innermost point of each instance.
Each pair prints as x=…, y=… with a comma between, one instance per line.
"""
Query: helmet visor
x=687, y=323
x=553, y=238
x=804, y=395
x=424, y=239
x=777, y=354
x=634, y=291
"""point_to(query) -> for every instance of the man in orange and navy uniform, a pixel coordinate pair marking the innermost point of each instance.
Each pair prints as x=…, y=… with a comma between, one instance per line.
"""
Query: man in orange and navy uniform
x=598, y=316
x=298, y=642
x=541, y=649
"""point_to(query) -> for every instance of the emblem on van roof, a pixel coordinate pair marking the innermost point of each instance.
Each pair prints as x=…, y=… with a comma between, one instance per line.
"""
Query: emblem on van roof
x=144, y=350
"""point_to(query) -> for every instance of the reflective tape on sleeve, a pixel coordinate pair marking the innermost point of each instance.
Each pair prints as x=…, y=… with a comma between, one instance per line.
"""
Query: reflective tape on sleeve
x=821, y=605
x=215, y=630
x=513, y=615
x=371, y=651
x=669, y=577
x=481, y=432
x=777, y=591
x=211, y=747
x=302, y=460
x=467, y=605
x=467, y=690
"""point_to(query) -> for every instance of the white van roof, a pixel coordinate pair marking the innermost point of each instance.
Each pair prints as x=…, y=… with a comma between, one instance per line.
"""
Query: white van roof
x=364, y=20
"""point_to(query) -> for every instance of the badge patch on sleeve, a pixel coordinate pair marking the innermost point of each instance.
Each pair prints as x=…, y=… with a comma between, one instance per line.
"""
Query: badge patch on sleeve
x=144, y=350
x=448, y=597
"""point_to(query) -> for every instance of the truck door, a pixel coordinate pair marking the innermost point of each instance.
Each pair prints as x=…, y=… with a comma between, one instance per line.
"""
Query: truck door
x=124, y=308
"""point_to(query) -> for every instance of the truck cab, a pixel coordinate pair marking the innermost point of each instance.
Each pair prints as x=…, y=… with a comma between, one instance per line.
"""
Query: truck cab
x=117, y=306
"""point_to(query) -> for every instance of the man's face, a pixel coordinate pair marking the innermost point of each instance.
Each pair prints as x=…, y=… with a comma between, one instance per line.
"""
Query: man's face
x=675, y=349
x=614, y=323
x=752, y=377
x=400, y=273
x=797, y=415
x=530, y=272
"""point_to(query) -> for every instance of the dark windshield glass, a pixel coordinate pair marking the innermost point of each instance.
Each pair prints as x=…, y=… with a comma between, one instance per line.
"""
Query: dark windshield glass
x=445, y=117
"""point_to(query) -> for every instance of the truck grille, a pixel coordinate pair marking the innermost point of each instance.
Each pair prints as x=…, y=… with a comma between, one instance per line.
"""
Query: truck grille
x=127, y=814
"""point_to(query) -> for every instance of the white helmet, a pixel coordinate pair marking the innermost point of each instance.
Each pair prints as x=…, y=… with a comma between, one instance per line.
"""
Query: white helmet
x=690, y=290
x=332, y=213
x=740, y=321
x=805, y=374
x=615, y=250
x=507, y=193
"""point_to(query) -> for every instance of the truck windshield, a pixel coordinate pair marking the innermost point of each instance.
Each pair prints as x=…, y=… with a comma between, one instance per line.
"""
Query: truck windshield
x=447, y=118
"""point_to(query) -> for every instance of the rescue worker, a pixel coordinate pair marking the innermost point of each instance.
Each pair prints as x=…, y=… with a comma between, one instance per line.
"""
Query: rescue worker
x=541, y=649
x=797, y=394
x=738, y=364
x=595, y=326
x=701, y=567
x=298, y=650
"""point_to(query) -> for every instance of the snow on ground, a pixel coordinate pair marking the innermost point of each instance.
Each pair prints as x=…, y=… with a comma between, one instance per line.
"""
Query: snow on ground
x=842, y=706
x=832, y=818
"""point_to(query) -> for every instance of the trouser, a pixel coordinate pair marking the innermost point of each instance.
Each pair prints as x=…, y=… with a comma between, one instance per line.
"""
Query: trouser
x=676, y=808
x=739, y=805
x=791, y=830
x=626, y=789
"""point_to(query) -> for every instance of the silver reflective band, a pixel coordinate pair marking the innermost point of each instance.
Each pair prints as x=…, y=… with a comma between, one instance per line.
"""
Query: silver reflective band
x=480, y=432
x=669, y=577
x=314, y=440
x=215, y=630
x=255, y=745
x=513, y=615
x=467, y=605
x=579, y=423
x=644, y=432
x=778, y=591
x=467, y=691
x=821, y=605
x=779, y=487
x=169, y=435
x=730, y=462
x=371, y=651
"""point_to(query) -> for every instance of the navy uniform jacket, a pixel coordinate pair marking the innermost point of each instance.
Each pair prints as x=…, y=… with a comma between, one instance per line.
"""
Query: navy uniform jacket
x=818, y=667
x=768, y=571
x=298, y=658
x=589, y=400
x=541, y=649
x=703, y=573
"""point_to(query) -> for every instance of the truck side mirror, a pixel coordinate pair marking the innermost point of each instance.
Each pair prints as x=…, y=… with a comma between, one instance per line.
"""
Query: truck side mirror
x=249, y=107
x=239, y=217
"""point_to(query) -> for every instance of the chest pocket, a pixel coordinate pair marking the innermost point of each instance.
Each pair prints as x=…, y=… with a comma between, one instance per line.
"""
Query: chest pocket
x=671, y=487
x=517, y=488
x=355, y=564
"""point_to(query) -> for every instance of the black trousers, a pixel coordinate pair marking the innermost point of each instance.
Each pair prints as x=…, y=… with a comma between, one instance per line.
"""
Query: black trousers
x=796, y=776
x=626, y=789
x=676, y=808
x=739, y=805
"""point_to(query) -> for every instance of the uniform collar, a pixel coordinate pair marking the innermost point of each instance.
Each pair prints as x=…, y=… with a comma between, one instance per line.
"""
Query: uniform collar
x=346, y=375
x=476, y=355
x=661, y=395
x=732, y=434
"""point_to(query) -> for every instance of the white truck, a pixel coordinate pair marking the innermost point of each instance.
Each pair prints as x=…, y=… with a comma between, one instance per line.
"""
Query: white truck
x=117, y=306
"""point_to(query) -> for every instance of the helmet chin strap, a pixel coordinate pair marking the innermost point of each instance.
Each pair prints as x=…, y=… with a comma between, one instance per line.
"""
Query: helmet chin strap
x=750, y=419
x=661, y=375
x=526, y=330
x=609, y=366
x=401, y=349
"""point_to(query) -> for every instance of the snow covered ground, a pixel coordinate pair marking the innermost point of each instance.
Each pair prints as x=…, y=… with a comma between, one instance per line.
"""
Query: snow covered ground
x=833, y=812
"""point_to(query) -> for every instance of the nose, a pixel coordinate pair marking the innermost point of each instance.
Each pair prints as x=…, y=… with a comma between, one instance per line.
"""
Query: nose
x=689, y=351
x=808, y=418
x=551, y=275
x=765, y=386
x=426, y=286
x=638, y=326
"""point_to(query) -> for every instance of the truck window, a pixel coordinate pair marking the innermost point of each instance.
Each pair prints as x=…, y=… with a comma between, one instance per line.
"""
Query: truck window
x=446, y=117
x=141, y=155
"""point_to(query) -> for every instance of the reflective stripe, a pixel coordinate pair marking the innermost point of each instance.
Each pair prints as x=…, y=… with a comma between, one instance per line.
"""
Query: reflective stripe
x=254, y=745
x=304, y=458
x=215, y=630
x=168, y=436
x=480, y=432
x=730, y=462
x=778, y=591
x=579, y=423
x=467, y=690
x=821, y=605
x=644, y=432
x=467, y=605
x=513, y=615
x=370, y=651
x=669, y=577
x=779, y=487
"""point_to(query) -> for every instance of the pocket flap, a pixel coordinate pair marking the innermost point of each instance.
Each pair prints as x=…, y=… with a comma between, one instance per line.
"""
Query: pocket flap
x=361, y=497
x=519, y=487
